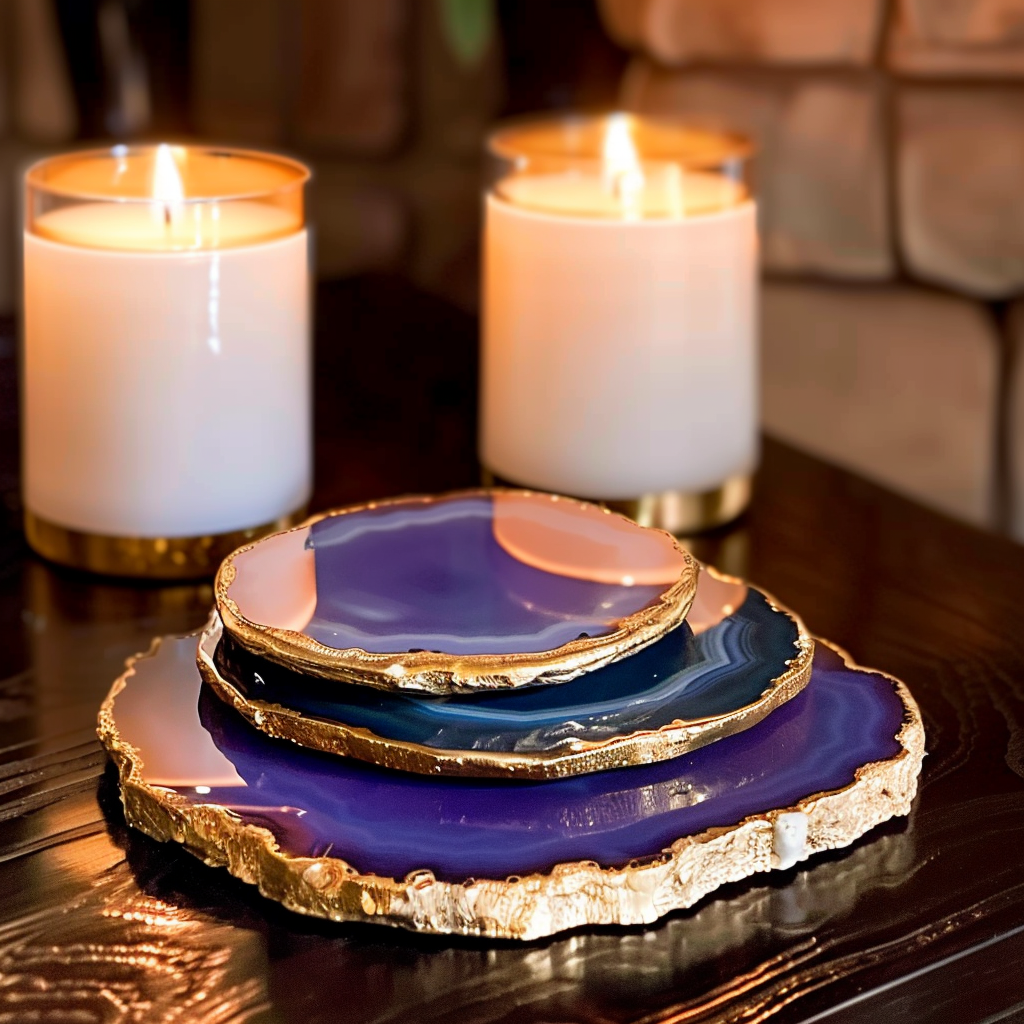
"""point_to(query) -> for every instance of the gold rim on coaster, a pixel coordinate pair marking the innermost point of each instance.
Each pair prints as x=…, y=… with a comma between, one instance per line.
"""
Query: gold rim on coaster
x=570, y=895
x=438, y=673
x=158, y=558
x=579, y=757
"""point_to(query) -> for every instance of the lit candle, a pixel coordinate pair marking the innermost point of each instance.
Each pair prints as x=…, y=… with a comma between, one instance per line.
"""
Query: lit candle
x=619, y=356
x=167, y=408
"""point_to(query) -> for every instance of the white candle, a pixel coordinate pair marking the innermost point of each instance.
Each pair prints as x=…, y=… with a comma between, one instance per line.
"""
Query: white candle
x=167, y=364
x=619, y=343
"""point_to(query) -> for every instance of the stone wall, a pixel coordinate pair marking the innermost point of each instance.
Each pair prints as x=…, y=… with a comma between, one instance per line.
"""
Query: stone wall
x=382, y=101
x=891, y=185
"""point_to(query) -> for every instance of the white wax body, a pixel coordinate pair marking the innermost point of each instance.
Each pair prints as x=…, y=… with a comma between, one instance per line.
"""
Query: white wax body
x=619, y=357
x=166, y=394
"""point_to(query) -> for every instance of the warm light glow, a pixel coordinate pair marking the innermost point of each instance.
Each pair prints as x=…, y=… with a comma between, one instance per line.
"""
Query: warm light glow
x=622, y=173
x=167, y=186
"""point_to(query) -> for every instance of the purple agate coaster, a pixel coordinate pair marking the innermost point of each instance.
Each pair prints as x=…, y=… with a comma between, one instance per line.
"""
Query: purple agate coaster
x=186, y=742
x=477, y=590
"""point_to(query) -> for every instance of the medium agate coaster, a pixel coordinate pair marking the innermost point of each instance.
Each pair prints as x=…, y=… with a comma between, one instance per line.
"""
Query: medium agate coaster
x=742, y=657
x=476, y=590
x=340, y=839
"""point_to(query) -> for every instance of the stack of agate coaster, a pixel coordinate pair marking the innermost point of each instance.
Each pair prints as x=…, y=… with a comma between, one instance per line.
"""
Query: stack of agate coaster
x=501, y=713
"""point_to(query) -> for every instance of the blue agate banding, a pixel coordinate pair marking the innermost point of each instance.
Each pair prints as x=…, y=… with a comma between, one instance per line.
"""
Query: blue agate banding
x=680, y=678
x=390, y=823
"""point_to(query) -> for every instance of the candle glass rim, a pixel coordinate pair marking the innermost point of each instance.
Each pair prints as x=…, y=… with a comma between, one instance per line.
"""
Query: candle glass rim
x=603, y=221
x=501, y=142
x=35, y=183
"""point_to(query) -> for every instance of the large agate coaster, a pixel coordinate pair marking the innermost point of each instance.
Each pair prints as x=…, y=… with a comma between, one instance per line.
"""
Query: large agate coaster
x=470, y=591
x=737, y=658
x=340, y=839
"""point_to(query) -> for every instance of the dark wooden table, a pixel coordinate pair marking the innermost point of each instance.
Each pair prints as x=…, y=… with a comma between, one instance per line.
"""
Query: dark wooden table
x=921, y=920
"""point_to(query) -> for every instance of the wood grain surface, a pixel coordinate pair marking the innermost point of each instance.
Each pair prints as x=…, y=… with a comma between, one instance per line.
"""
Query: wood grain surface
x=922, y=919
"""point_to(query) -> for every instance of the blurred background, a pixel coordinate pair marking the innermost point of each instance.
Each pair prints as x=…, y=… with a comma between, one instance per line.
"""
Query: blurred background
x=890, y=178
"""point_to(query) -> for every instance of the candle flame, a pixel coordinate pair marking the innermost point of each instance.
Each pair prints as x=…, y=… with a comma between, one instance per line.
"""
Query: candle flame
x=623, y=175
x=167, y=185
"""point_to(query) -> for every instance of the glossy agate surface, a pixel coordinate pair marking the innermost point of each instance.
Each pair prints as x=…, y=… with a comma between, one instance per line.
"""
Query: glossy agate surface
x=722, y=667
x=502, y=573
x=390, y=823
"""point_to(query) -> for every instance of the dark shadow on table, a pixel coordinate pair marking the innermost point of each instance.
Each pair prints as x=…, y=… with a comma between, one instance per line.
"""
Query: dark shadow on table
x=606, y=974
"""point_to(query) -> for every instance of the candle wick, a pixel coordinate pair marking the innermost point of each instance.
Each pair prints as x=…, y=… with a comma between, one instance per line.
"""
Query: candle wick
x=167, y=215
x=627, y=186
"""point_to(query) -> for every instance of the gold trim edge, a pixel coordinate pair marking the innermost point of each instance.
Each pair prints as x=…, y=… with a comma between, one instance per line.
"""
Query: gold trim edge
x=584, y=757
x=161, y=558
x=678, y=512
x=430, y=672
x=570, y=895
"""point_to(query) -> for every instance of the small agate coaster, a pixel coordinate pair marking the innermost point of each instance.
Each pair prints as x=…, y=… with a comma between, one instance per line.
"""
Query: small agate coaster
x=340, y=839
x=477, y=590
x=737, y=658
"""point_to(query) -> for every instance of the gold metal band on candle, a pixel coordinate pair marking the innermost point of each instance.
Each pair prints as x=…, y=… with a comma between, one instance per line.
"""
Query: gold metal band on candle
x=161, y=558
x=679, y=512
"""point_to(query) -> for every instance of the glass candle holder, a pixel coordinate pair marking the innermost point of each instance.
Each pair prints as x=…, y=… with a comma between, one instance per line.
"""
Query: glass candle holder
x=167, y=374
x=619, y=339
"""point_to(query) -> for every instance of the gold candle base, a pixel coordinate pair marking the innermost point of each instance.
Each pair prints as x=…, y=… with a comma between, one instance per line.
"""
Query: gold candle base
x=157, y=558
x=679, y=512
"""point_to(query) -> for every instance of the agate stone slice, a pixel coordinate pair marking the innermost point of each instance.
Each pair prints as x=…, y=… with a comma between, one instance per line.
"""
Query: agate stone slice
x=336, y=838
x=476, y=590
x=690, y=688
